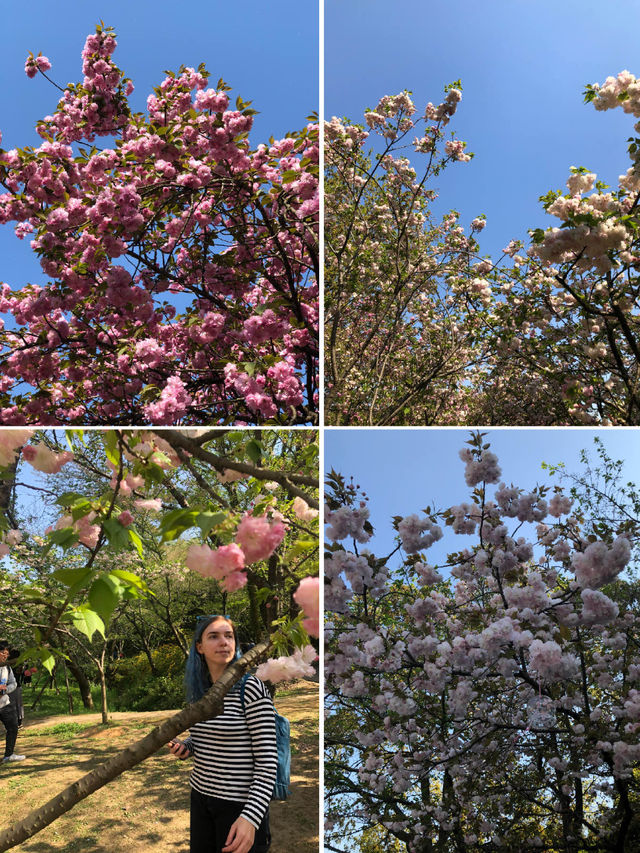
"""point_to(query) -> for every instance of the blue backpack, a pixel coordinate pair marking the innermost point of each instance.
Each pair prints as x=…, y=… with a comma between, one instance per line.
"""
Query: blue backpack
x=283, y=745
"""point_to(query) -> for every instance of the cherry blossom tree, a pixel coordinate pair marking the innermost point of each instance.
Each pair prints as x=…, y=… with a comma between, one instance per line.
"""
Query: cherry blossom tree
x=126, y=212
x=569, y=317
x=148, y=491
x=546, y=333
x=398, y=335
x=489, y=700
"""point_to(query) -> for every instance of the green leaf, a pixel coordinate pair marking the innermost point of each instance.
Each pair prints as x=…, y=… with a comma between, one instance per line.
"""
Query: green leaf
x=70, y=433
x=87, y=621
x=31, y=594
x=47, y=659
x=174, y=523
x=104, y=596
x=66, y=538
x=129, y=577
x=75, y=579
x=117, y=534
x=69, y=498
x=261, y=507
x=254, y=451
x=111, y=449
x=80, y=508
x=208, y=520
x=136, y=540
x=263, y=594
x=300, y=547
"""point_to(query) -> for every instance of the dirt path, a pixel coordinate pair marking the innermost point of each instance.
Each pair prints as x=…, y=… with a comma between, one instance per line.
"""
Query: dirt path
x=147, y=808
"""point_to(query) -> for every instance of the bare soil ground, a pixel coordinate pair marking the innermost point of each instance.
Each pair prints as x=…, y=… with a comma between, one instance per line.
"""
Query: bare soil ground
x=146, y=808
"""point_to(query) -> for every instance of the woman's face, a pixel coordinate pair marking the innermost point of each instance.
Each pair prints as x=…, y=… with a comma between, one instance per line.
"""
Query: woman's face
x=217, y=643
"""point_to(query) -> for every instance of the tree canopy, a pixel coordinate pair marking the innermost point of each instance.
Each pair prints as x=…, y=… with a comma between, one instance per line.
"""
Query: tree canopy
x=547, y=333
x=173, y=208
x=486, y=700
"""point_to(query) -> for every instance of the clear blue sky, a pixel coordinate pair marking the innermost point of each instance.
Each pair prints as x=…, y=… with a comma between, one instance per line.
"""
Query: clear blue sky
x=267, y=51
x=405, y=470
x=523, y=67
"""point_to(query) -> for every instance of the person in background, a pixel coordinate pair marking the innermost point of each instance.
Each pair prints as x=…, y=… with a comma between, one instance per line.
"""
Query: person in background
x=27, y=674
x=16, y=696
x=235, y=754
x=8, y=713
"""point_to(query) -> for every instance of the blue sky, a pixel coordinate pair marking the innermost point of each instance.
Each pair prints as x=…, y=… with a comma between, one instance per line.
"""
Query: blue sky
x=267, y=51
x=523, y=68
x=405, y=470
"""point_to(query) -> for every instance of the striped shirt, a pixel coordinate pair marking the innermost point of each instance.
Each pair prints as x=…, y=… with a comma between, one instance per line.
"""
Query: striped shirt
x=235, y=754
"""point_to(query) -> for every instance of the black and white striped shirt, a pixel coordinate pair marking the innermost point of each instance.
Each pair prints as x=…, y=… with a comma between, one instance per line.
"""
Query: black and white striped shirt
x=235, y=755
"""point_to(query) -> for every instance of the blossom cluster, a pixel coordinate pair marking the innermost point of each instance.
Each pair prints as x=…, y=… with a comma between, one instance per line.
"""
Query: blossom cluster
x=289, y=667
x=256, y=538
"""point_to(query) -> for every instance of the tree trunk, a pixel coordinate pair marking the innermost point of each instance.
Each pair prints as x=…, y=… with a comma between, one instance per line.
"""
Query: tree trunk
x=47, y=683
x=82, y=681
x=103, y=687
x=34, y=704
x=254, y=610
x=143, y=637
x=66, y=684
x=209, y=706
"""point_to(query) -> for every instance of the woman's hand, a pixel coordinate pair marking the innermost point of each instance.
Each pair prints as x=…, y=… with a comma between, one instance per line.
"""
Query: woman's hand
x=240, y=838
x=178, y=748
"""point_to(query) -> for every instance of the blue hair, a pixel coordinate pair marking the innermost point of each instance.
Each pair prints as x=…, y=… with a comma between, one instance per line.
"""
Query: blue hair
x=196, y=675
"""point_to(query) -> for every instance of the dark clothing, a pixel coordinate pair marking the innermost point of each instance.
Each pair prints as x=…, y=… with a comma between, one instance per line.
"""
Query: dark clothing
x=16, y=700
x=9, y=717
x=211, y=820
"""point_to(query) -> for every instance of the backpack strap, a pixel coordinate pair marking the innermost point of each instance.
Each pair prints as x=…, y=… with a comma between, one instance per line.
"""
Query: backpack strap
x=243, y=682
x=283, y=747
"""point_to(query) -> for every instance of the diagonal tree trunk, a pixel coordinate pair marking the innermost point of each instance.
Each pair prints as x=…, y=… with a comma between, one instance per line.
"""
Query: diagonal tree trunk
x=209, y=706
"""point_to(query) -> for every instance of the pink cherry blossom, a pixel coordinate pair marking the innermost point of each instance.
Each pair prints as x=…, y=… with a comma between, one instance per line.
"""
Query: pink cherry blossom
x=233, y=581
x=151, y=504
x=10, y=441
x=258, y=537
x=307, y=596
x=302, y=509
x=46, y=460
x=297, y=665
x=101, y=341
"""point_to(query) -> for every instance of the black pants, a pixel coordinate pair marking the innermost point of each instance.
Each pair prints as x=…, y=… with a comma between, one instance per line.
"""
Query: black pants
x=211, y=820
x=9, y=718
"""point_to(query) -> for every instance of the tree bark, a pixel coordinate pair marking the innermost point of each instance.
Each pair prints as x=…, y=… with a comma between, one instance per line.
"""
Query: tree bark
x=209, y=706
x=77, y=672
x=103, y=686
x=83, y=684
x=66, y=684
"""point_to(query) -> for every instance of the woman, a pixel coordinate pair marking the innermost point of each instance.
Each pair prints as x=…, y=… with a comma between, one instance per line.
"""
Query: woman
x=235, y=757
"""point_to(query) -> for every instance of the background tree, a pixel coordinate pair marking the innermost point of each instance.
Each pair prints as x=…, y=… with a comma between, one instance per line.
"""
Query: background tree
x=398, y=336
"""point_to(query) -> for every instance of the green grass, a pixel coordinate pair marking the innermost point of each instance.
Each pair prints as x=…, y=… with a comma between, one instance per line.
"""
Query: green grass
x=63, y=731
x=52, y=703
